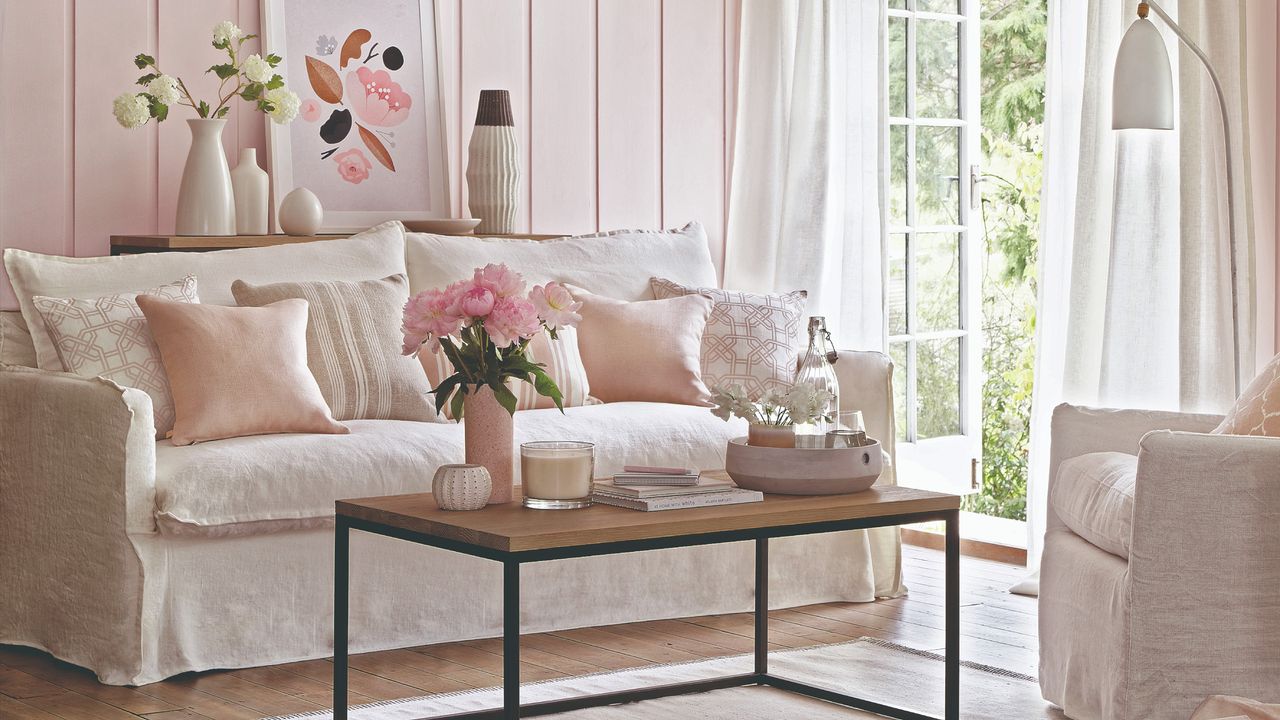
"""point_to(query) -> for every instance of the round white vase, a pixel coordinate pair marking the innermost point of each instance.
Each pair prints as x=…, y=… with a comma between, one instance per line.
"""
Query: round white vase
x=249, y=185
x=300, y=213
x=206, y=202
x=461, y=487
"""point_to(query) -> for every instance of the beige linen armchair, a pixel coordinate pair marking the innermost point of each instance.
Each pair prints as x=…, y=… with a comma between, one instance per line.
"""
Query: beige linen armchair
x=1160, y=579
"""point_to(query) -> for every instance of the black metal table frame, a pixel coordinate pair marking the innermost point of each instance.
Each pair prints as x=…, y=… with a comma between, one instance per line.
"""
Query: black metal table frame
x=511, y=562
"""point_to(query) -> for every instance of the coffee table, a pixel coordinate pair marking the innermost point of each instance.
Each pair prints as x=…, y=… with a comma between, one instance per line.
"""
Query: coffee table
x=514, y=535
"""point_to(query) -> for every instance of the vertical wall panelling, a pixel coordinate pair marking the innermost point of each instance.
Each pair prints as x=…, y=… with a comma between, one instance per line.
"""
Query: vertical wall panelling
x=251, y=126
x=448, y=35
x=495, y=56
x=693, y=96
x=629, y=114
x=115, y=168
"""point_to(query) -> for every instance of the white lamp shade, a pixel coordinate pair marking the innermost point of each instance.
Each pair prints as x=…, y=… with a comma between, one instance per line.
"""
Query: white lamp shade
x=1142, y=89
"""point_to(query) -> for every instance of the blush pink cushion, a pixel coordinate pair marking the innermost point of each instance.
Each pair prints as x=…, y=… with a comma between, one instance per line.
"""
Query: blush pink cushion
x=646, y=351
x=1257, y=410
x=237, y=371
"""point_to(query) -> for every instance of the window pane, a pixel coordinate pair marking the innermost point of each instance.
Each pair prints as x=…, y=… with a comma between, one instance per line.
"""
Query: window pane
x=937, y=69
x=937, y=388
x=897, y=284
x=898, y=175
x=897, y=67
x=937, y=176
x=936, y=258
x=898, y=353
x=941, y=6
x=897, y=4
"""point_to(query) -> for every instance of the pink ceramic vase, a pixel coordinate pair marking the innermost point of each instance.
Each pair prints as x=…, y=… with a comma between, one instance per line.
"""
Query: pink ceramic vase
x=490, y=439
x=774, y=436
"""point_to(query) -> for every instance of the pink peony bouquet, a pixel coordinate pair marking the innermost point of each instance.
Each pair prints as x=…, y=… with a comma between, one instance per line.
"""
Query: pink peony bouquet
x=483, y=325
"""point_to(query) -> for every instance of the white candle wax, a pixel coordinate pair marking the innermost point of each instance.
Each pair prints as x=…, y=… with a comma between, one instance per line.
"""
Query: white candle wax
x=557, y=474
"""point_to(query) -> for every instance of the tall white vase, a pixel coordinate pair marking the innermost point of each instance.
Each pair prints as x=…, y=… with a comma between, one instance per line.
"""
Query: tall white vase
x=206, y=202
x=249, y=186
x=493, y=165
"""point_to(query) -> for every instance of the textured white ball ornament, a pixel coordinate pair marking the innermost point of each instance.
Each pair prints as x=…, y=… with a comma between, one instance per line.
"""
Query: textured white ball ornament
x=301, y=213
x=461, y=487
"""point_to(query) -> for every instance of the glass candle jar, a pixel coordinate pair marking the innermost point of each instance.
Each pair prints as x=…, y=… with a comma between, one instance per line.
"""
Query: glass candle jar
x=557, y=474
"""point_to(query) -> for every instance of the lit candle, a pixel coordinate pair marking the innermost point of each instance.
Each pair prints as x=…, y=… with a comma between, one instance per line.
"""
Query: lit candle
x=557, y=474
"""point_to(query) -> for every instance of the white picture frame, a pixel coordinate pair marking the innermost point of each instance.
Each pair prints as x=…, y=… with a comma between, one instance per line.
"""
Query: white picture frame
x=285, y=143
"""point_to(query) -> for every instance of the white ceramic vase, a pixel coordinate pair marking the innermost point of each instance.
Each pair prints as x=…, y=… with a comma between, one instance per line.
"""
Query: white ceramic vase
x=493, y=165
x=461, y=487
x=249, y=186
x=206, y=202
x=300, y=213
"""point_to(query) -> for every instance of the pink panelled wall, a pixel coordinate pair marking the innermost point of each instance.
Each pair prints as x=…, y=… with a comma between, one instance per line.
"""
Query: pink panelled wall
x=624, y=110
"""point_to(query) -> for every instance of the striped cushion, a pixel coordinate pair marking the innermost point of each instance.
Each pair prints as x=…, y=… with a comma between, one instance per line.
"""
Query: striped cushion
x=562, y=361
x=353, y=345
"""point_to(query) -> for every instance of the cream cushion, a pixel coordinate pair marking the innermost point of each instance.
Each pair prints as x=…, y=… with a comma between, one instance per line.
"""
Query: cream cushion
x=15, y=340
x=249, y=485
x=1093, y=494
x=375, y=253
x=1257, y=410
x=617, y=264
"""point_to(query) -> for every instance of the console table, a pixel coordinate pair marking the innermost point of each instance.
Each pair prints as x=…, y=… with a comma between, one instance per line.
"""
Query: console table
x=513, y=535
x=132, y=244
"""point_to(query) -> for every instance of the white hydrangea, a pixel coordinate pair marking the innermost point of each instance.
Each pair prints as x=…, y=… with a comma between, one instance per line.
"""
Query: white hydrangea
x=226, y=32
x=256, y=69
x=131, y=110
x=285, y=103
x=164, y=88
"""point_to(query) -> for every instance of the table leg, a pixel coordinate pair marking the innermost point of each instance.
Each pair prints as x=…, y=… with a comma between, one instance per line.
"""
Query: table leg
x=952, y=690
x=762, y=606
x=341, y=556
x=510, y=640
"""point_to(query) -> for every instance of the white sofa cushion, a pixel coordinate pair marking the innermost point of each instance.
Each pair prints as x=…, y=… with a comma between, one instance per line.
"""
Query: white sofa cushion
x=249, y=485
x=375, y=253
x=617, y=264
x=1093, y=495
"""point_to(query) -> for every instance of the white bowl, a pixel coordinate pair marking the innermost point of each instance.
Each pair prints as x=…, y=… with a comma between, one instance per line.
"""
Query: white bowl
x=803, y=471
x=443, y=226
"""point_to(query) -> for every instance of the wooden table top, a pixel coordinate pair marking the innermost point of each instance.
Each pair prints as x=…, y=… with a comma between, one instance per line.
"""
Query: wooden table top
x=515, y=528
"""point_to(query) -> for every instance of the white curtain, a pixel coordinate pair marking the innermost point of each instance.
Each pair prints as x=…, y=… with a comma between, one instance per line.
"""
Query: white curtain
x=1135, y=305
x=805, y=200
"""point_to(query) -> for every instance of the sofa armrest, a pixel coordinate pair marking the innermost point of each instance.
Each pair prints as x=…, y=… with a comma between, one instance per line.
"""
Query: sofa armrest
x=866, y=384
x=1204, y=571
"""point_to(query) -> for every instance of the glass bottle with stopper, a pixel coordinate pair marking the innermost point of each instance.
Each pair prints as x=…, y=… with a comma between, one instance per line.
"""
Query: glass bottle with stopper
x=816, y=368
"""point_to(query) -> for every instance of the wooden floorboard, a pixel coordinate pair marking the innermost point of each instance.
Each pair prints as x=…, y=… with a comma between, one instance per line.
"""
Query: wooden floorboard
x=996, y=628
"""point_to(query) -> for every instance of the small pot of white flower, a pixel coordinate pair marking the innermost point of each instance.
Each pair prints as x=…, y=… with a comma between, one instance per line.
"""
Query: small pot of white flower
x=774, y=416
x=205, y=201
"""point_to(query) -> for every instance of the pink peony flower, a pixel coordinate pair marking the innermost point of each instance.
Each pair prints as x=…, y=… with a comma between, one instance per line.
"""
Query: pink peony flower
x=501, y=280
x=512, y=319
x=475, y=302
x=310, y=110
x=353, y=166
x=555, y=305
x=376, y=98
x=427, y=318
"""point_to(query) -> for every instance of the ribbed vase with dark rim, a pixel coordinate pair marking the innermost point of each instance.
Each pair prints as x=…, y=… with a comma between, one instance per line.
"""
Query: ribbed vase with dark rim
x=493, y=165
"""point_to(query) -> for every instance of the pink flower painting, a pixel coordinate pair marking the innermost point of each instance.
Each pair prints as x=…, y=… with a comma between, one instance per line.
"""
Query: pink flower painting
x=376, y=98
x=353, y=166
x=310, y=110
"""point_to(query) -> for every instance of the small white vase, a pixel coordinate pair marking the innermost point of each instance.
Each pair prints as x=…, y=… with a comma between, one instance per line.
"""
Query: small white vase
x=300, y=213
x=206, y=202
x=249, y=185
x=461, y=487
x=493, y=165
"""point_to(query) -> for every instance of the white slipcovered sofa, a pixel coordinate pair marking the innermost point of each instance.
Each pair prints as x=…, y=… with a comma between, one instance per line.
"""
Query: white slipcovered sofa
x=139, y=559
x=1160, y=579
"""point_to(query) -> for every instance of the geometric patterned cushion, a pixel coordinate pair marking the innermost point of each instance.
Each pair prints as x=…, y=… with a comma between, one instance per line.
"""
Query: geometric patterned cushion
x=108, y=337
x=750, y=338
x=1257, y=410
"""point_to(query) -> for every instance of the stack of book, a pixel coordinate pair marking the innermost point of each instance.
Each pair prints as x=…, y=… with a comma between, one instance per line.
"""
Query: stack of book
x=650, y=489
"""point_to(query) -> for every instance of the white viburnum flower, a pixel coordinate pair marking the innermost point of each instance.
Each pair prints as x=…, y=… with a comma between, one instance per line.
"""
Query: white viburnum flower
x=226, y=32
x=164, y=88
x=131, y=110
x=285, y=104
x=256, y=69
x=807, y=403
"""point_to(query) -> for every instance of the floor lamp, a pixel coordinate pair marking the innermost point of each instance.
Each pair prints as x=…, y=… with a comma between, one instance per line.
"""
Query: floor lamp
x=1142, y=97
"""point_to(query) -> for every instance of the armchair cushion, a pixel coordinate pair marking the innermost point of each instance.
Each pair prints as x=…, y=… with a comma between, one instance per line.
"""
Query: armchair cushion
x=1093, y=495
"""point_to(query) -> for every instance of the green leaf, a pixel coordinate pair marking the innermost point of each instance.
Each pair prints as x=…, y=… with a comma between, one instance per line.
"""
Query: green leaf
x=505, y=397
x=247, y=38
x=252, y=91
x=221, y=44
x=143, y=60
x=223, y=112
x=455, y=407
x=203, y=109
x=223, y=71
x=445, y=389
x=275, y=82
x=547, y=387
x=274, y=59
x=146, y=79
x=159, y=110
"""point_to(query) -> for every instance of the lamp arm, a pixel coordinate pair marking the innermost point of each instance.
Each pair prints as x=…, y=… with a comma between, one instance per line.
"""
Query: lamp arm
x=1231, y=195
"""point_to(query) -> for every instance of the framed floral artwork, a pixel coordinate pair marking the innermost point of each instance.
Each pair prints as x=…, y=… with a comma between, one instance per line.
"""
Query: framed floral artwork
x=369, y=139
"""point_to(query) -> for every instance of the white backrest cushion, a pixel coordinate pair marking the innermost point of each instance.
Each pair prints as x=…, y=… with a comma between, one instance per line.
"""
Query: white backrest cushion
x=15, y=341
x=375, y=253
x=616, y=264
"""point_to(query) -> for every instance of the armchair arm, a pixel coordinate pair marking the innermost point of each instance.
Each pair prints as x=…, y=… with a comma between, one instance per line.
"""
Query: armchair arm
x=1204, y=572
x=866, y=384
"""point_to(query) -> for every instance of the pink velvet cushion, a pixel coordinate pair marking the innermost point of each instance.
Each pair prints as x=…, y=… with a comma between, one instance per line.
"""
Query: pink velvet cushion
x=1257, y=410
x=237, y=371
x=645, y=351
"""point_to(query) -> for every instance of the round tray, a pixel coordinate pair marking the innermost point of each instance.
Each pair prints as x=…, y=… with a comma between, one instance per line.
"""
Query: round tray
x=803, y=471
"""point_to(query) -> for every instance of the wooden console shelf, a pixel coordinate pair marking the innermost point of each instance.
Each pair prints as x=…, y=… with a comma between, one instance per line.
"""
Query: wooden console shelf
x=129, y=244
